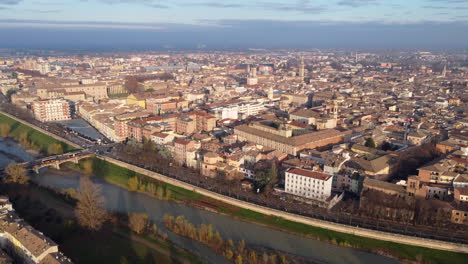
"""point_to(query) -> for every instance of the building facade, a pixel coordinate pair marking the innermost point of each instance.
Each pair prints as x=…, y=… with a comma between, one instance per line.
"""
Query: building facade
x=308, y=184
x=52, y=110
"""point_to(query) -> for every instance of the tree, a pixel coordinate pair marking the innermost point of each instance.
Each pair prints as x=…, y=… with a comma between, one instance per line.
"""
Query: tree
x=55, y=149
x=90, y=207
x=87, y=167
x=273, y=174
x=238, y=259
x=123, y=260
x=131, y=84
x=168, y=194
x=370, y=142
x=253, y=257
x=4, y=129
x=133, y=184
x=386, y=146
x=228, y=254
x=241, y=247
x=16, y=173
x=159, y=192
x=154, y=229
x=138, y=223
x=283, y=259
x=23, y=138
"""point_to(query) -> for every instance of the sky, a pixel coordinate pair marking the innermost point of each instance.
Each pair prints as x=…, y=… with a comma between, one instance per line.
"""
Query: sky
x=128, y=24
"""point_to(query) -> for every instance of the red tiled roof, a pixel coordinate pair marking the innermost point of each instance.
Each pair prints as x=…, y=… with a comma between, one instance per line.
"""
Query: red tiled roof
x=181, y=141
x=311, y=174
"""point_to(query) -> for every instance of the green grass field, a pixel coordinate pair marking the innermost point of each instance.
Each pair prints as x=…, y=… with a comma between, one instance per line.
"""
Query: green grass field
x=36, y=138
x=119, y=176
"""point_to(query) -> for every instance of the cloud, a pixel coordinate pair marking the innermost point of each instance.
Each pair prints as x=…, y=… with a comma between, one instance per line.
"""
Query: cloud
x=217, y=5
x=148, y=3
x=446, y=7
x=43, y=11
x=450, y=1
x=357, y=3
x=10, y=2
x=301, y=6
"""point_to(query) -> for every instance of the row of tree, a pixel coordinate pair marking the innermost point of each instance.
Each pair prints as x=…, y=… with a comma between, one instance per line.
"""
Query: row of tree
x=160, y=191
x=207, y=235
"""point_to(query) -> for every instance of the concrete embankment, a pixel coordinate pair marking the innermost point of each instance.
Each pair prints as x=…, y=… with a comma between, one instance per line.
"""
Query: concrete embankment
x=385, y=236
x=42, y=130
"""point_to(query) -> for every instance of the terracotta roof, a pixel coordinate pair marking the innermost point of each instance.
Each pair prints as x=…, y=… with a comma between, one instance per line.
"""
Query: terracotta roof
x=294, y=141
x=181, y=141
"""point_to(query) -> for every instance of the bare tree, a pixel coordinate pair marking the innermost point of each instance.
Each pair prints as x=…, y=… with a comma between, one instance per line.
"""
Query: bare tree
x=5, y=129
x=90, y=208
x=16, y=173
x=138, y=223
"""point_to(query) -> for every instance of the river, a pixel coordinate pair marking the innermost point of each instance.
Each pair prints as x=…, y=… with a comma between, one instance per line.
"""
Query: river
x=121, y=200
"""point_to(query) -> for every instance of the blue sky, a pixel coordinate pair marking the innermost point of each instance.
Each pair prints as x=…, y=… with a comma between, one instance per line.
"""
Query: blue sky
x=371, y=20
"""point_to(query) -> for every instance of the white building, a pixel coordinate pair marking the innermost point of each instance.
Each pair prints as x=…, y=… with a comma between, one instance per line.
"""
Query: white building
x=238, y=110
x=162, y=138
x=309, y=184
x=51, y=110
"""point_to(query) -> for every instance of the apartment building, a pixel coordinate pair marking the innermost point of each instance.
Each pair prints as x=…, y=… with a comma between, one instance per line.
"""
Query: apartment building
x=181, y=147
x=308, y=184
x=237, y=110
x=52, y=110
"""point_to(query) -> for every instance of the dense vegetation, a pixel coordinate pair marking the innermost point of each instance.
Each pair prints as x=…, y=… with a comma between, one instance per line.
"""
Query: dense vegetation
x=207, y=235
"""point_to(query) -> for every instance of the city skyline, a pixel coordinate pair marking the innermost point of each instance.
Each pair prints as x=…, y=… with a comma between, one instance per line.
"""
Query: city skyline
x=233, y=24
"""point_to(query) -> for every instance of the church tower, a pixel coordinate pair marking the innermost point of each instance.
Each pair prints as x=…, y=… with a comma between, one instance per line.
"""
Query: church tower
x=335, y=108
x=301, y=68
x=270, y=93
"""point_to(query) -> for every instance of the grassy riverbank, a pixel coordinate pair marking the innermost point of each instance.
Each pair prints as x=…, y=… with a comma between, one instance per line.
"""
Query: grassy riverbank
x=120, y=176
x=36, y=139
x=53, y=214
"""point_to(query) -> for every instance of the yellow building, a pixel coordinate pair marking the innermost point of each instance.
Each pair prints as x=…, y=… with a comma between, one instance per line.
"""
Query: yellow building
x=137, y=99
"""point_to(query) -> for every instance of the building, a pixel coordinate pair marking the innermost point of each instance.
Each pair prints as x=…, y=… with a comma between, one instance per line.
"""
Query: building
x=281, y=137
x=52, y=110
x=185, y=126
x=385, y=187
x=181, y=147
x=210, y=164
x=417, y=138
x=302, y=69
x=96, y=90
x=309, y=184
x=161, y=138
x=23, y=243
x=237, y=110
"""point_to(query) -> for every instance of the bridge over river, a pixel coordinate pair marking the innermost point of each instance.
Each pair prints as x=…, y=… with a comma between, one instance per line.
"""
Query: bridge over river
x=56, y=161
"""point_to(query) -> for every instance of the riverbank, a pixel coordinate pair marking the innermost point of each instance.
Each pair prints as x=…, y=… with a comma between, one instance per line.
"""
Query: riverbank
x=412, y=254
x=35, y=139
x=52, y=213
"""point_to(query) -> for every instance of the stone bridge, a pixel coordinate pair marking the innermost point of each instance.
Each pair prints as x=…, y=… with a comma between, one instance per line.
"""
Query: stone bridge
x=56, y=161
